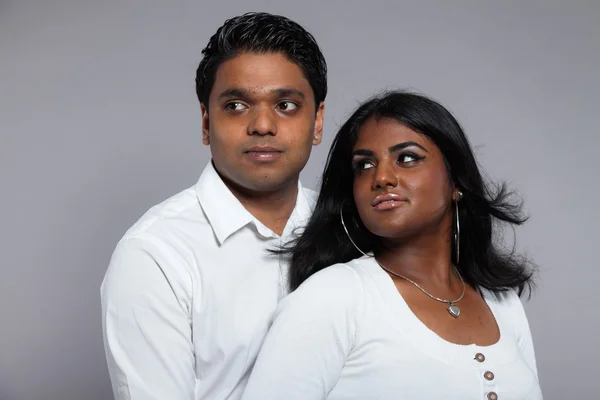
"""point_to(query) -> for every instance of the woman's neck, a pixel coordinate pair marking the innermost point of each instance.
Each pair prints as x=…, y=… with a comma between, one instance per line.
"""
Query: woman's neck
x=426, y=259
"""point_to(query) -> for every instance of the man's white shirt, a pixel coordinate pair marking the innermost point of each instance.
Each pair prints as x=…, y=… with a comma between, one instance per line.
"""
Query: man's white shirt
x=189, y=294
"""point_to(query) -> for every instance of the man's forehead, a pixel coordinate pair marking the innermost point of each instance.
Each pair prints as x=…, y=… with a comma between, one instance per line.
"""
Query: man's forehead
x=260, y=75
x=260, y=70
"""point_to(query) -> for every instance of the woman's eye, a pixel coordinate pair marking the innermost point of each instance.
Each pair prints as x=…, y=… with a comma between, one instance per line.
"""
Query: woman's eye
x=408, y=158
x=363, y=164
x=235, y=106
x=287, y=106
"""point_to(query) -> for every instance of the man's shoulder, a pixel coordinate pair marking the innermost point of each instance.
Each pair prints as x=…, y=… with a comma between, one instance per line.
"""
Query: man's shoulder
x=167, y=216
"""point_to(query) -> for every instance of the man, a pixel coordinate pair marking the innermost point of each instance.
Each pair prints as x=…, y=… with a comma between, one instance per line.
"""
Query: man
x=191, y=287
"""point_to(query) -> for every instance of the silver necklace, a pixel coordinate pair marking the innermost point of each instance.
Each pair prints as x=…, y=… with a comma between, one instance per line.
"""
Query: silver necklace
x=453, y=309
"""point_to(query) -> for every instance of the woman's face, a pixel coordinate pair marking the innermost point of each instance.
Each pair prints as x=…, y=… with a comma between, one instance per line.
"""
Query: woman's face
x=401, y=186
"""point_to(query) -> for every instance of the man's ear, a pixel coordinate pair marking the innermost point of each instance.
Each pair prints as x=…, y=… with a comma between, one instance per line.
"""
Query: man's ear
x=318, y=132
x=205, y=125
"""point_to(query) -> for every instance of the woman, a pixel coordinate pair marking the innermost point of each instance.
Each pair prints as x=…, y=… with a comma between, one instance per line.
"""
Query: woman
x=400, y=292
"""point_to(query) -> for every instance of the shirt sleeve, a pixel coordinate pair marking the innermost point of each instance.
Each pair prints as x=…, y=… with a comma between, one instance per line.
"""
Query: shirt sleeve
x=313, y=331
x=524, y=338
x=146, y=322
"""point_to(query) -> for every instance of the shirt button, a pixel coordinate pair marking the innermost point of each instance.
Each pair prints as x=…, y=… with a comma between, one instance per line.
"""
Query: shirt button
x=492, y=396
x=480, y=357
x=488, y=375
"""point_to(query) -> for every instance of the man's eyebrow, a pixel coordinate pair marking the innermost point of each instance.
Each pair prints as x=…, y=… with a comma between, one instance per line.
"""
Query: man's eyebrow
x=288, y=92
x=244, y=93
x=233, y=92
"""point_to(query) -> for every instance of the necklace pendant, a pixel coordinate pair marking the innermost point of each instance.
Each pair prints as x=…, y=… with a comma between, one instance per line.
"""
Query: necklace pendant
x=454, y=310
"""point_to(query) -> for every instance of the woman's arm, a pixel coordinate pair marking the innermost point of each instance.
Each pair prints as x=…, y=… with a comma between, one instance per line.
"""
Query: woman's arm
x=313, y=332
x=524, y=339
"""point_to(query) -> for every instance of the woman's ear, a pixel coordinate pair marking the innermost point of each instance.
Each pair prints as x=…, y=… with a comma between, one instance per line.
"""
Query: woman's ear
x=457, y=195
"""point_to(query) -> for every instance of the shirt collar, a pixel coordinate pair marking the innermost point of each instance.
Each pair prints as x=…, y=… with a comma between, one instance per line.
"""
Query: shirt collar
x=227, y=215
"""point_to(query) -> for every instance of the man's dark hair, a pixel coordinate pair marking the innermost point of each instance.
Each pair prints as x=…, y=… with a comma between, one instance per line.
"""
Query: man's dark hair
x=262, y=33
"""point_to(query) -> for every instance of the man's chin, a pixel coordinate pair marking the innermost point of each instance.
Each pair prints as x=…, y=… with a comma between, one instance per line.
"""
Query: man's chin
x=262, y=182
x=269, y=183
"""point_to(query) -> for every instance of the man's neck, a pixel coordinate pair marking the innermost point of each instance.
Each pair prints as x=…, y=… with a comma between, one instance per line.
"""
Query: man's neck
x=272, y=209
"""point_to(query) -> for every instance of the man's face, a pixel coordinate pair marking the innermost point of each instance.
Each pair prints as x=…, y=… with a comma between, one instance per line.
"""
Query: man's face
x=261, y=122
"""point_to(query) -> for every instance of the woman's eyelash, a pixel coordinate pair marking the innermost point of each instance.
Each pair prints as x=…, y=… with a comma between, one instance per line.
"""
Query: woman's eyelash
x=360, y=164
x=414, y=157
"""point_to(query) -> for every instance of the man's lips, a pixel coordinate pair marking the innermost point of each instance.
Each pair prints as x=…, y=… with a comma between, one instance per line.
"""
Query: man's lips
x=264, y=149
x=263, y=153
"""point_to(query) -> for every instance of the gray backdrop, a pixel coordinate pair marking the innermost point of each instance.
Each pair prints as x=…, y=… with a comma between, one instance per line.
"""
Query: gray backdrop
x=99, y=121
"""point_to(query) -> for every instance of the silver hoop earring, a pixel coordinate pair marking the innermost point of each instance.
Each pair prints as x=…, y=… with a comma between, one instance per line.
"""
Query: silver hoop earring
x=350, y=237
x=457, y=234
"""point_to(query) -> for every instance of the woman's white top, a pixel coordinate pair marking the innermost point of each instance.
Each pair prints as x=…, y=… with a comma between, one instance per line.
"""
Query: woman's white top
x=347, y=333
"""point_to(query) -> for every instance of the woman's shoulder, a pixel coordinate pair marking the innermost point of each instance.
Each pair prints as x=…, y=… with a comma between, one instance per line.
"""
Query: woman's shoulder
x=341, y=278
x=505, y=298
x=347, y=276
x=508, y=304
x=339, y=286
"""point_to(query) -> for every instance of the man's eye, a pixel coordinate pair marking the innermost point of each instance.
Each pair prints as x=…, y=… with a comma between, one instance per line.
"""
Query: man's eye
x=235, y=106
x=287, y=106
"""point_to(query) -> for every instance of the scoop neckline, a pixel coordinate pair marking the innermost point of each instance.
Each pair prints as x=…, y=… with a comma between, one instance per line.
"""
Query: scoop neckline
x=425, y=339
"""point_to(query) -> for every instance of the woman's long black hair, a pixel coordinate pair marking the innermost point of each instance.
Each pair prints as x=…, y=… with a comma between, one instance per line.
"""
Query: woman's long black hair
x=482, y=263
